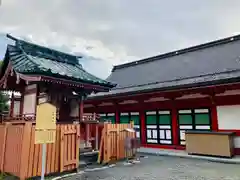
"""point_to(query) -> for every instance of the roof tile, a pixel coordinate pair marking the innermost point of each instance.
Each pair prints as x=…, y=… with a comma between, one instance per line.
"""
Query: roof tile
x=28, y=58
x=214, y=61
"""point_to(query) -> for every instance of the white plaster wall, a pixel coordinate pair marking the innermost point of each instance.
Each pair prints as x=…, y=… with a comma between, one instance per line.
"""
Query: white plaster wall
x=229, y=119
x=16, y=109
x=29, y=105
x=237, y=142
x=74, y=109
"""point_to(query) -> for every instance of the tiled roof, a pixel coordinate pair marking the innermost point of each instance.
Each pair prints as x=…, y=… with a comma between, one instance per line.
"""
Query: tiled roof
x=204, y=64
x=28, y=58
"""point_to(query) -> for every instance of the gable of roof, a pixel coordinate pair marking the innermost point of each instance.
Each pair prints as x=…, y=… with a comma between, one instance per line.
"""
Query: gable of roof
x=206, y=63
x=31, y=59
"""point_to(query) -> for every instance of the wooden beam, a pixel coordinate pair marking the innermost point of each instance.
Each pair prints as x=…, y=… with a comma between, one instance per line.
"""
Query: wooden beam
x=81, y=110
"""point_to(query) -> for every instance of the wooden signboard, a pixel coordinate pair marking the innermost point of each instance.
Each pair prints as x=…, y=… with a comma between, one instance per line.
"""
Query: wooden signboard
x=45, y=130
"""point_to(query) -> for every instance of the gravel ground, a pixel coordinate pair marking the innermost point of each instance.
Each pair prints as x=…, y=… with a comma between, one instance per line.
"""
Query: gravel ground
x=165, y=168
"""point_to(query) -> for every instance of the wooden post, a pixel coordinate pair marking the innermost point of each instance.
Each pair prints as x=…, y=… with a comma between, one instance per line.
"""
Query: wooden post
x=62, y=158
x=131, y=124
x=87, y=134
x=81, y=109
x=105, y=144
x=3, y=147
x=25, y=150
x=77, y=144
x=101, y=148
x=96, y=138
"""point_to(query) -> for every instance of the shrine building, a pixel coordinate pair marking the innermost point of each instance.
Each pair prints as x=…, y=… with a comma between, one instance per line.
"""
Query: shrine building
x=40, y=74
x=197, y=88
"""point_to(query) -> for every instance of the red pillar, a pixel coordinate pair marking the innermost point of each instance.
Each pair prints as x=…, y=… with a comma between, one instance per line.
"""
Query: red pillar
x=175, y=130
x=143, y=126
x=214, y=117
x=117, y=112
x=117, y=115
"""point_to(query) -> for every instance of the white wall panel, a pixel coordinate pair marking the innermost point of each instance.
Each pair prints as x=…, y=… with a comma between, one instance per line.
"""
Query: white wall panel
x=237, y=142
x=228, y=117
x=16, y=109
x=29, y=105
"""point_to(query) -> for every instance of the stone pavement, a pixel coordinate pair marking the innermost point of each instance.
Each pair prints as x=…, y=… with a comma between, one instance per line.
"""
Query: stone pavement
x=184, y=154
x=165, y=168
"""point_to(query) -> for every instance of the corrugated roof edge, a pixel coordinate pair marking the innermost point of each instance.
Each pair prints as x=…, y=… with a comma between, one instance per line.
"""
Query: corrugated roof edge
x=178, y=52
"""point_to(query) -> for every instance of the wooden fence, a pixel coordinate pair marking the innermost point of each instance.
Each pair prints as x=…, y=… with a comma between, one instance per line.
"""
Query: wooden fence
x=112, y=145
x=94, y=134
x=21, y=157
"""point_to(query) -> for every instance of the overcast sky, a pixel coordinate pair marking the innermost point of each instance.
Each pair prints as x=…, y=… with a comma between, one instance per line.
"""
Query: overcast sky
x=111, y=32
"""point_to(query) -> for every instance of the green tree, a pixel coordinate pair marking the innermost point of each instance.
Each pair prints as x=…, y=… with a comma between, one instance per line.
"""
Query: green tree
x=4, y=98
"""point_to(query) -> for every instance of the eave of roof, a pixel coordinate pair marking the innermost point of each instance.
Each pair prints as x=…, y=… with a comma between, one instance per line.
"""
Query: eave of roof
x=207, y=63
x=31, y=59
x=201, y=81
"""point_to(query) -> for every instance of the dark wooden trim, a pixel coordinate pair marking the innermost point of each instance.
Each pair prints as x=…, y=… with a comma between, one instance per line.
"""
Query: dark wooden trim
x=73, y=83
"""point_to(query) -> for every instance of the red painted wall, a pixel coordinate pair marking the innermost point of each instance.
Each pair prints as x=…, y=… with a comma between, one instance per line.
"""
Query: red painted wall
x=173, y=106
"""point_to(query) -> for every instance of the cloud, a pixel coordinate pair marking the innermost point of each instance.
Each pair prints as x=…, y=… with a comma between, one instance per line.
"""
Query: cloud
x=111, y=32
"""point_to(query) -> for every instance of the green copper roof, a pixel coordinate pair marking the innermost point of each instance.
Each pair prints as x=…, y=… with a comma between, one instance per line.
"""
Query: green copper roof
x=28, y=58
